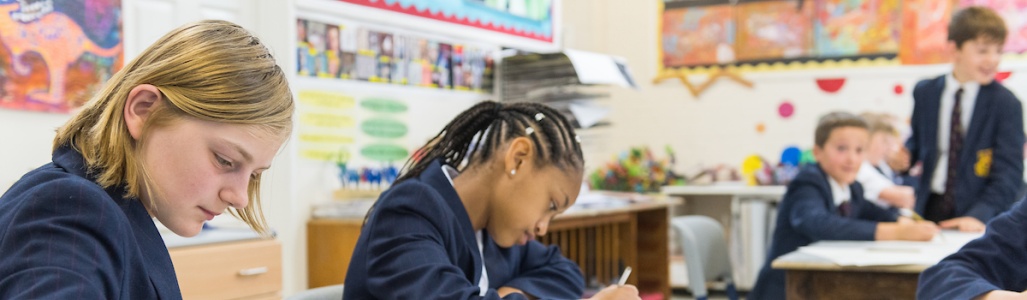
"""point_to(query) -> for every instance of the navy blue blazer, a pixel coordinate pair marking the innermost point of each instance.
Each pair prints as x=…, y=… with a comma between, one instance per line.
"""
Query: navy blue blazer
x=418, y=243
x=993, y=262
x=62, y=236
x=990, y=174
x=808, y=214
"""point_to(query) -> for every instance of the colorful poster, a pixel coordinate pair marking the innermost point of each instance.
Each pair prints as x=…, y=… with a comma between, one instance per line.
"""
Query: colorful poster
x=1014, y=12
x=54, y=54
x=531, y=19
x=354, y=51
x=856, y=27
x=924, y=31
x=770, y=30
x=698, y=35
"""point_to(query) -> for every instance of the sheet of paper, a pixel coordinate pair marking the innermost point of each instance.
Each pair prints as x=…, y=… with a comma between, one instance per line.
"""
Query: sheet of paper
x=888, y=253
x=595, y=68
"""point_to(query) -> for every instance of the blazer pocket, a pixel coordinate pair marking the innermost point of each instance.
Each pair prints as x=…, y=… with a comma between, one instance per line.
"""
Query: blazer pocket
x=983, y=166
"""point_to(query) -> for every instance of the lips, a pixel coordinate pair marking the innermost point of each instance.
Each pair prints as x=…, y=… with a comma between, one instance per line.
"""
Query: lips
x=210, y=215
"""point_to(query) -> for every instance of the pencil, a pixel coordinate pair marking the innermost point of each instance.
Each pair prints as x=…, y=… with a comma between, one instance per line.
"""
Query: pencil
x=624, y=277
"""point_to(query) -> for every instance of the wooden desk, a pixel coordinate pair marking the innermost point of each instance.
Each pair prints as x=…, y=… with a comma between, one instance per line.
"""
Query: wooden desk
x=747, y=214
x=599, y=240
x=227, y=264
x=812, y=277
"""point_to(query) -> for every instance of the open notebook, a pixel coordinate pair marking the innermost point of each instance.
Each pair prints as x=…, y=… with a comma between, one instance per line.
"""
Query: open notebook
x=886, y=253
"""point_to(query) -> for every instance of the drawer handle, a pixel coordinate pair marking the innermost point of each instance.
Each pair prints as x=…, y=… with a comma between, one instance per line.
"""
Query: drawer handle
x=253, y=271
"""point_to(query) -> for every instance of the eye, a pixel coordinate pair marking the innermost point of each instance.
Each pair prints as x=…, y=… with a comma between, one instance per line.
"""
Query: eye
x=552, y=205
x=222, y=161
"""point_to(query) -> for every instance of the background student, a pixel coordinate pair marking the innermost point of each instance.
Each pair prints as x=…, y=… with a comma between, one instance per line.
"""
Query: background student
x=824, y=202
x=461, y=221
x=181, y=134
x=968, y=130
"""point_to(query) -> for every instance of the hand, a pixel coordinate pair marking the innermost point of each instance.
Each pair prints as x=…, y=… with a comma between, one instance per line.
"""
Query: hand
x=965, y=224
x=503, y=291
x=999, y=295
x=618, y=292
x=916, y=231
x=899, y=196
x=899, y=160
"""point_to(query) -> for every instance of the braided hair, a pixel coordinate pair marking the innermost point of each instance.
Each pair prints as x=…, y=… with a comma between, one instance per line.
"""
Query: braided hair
x=475, y=135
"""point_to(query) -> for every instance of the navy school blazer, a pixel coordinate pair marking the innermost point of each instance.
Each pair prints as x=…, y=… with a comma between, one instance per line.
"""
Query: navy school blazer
x=418, y=243
x=990, y=171
x=807, y=214
x=993, y=262
x=62, y=236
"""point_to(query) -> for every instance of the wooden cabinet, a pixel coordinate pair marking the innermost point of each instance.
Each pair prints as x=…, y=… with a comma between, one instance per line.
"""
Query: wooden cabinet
x=250, y=269
x=330, y=244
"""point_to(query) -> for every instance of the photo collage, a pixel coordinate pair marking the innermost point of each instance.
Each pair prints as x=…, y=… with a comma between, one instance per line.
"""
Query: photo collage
x=355, y=52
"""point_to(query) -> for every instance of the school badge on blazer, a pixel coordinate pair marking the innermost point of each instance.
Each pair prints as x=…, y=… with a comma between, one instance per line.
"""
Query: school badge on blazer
x=983, y=166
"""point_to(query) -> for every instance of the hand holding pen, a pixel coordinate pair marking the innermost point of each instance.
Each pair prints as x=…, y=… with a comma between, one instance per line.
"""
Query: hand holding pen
x=622, y=290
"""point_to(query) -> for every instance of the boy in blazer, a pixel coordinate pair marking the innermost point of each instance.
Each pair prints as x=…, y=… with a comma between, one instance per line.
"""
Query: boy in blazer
x=824, y=202
x=968, y=130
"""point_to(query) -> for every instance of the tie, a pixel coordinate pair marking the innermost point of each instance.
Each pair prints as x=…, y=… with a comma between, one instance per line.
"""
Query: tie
x=955, y=145
x=844, y=208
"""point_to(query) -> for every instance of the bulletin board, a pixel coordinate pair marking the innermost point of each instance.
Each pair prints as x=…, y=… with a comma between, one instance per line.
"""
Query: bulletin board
x=766, y=35
x=54, y=55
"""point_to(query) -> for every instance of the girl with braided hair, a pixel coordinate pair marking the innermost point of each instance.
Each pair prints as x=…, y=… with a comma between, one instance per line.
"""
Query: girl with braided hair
x=461, y=220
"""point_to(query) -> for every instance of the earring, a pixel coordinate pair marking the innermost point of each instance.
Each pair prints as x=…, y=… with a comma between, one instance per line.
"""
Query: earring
x=513, y=172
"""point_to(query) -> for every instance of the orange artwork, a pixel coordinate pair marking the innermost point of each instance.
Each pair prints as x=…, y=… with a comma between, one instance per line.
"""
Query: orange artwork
x=701, y=35
x=925, y=31
x=774, y=30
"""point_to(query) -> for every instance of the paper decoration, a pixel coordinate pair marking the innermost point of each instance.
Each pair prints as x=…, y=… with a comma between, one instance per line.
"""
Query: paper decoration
x=761, y=127
x=898, y=89
x=786, y=109
x=1001, y=76
x=791, y=156
x=830, y=85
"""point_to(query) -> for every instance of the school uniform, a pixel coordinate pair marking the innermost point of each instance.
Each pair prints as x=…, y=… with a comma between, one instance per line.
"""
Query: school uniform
x=62, y=236
x=993, y=262
x=816, y=208
x=989, y=168
x=418, y=243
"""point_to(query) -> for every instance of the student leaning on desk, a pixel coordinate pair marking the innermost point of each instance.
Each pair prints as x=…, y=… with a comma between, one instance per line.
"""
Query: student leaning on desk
x=460, y=221
x=824, y=202
x=991, y=267
x=180, y=134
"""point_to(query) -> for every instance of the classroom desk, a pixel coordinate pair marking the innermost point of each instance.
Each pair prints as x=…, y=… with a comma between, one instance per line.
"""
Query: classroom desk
x=812, y=277
x=600, y=240
x=747, y=213
x=226, y=264
x=850, y=270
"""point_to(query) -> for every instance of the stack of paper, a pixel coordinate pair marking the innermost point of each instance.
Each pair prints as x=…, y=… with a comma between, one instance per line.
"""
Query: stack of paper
x=889, y=253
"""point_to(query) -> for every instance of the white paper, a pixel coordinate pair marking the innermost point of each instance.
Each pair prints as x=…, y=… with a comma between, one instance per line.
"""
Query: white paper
x=588, y=114
x=595, y=68
x=890, y=253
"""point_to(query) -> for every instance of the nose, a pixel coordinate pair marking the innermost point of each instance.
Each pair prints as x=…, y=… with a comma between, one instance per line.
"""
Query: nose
x=542, y=227
x=236, y=193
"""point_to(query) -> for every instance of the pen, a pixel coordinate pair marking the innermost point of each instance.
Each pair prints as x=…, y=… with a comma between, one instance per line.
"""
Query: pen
x=624, y=277
x=905, y=212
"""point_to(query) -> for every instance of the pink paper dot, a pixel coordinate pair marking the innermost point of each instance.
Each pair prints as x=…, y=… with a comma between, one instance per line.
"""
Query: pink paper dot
x=898, y=89
x=786, y=109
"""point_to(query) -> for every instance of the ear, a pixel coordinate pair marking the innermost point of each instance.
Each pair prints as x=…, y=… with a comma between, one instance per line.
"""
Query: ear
x=951, y=49
x=141, y=101
x=817, y=152
x=520, y=151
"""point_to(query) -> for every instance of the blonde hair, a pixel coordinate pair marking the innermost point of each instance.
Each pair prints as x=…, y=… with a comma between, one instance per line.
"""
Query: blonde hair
x=880, y=123
x=206, y=70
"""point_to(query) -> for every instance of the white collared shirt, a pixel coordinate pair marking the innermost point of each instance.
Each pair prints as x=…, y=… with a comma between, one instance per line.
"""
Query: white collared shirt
x=873, y=183
x=948, y=98
x=838, y=192
x=483, y=283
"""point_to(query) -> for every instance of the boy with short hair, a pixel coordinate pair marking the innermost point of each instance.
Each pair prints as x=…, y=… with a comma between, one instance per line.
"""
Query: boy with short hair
x=968, y=130
x=824, y=202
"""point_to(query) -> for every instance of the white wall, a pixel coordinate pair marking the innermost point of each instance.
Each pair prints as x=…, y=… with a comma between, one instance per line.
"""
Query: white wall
x=720, y=125
x=26, y=139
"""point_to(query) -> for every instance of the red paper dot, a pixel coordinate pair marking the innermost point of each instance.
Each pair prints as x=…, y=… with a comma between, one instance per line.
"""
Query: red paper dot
x=786, y=109
x=830, y=85
x=898, y=89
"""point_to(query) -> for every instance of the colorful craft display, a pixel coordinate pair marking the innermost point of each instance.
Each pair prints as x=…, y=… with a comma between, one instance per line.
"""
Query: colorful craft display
x=636, y=170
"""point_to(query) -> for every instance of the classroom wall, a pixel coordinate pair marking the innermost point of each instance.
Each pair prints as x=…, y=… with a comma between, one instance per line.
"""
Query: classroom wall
x=719, y=127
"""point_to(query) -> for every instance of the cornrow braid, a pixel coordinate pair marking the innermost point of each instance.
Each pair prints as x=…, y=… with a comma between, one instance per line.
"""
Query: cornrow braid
x=475, y=134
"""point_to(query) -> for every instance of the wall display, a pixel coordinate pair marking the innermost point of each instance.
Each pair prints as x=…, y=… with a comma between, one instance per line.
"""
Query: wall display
x=55, y=54
x=351, y=50
x=702, y=36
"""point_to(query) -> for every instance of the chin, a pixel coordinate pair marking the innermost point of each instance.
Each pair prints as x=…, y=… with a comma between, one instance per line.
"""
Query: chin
x=186, y=231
